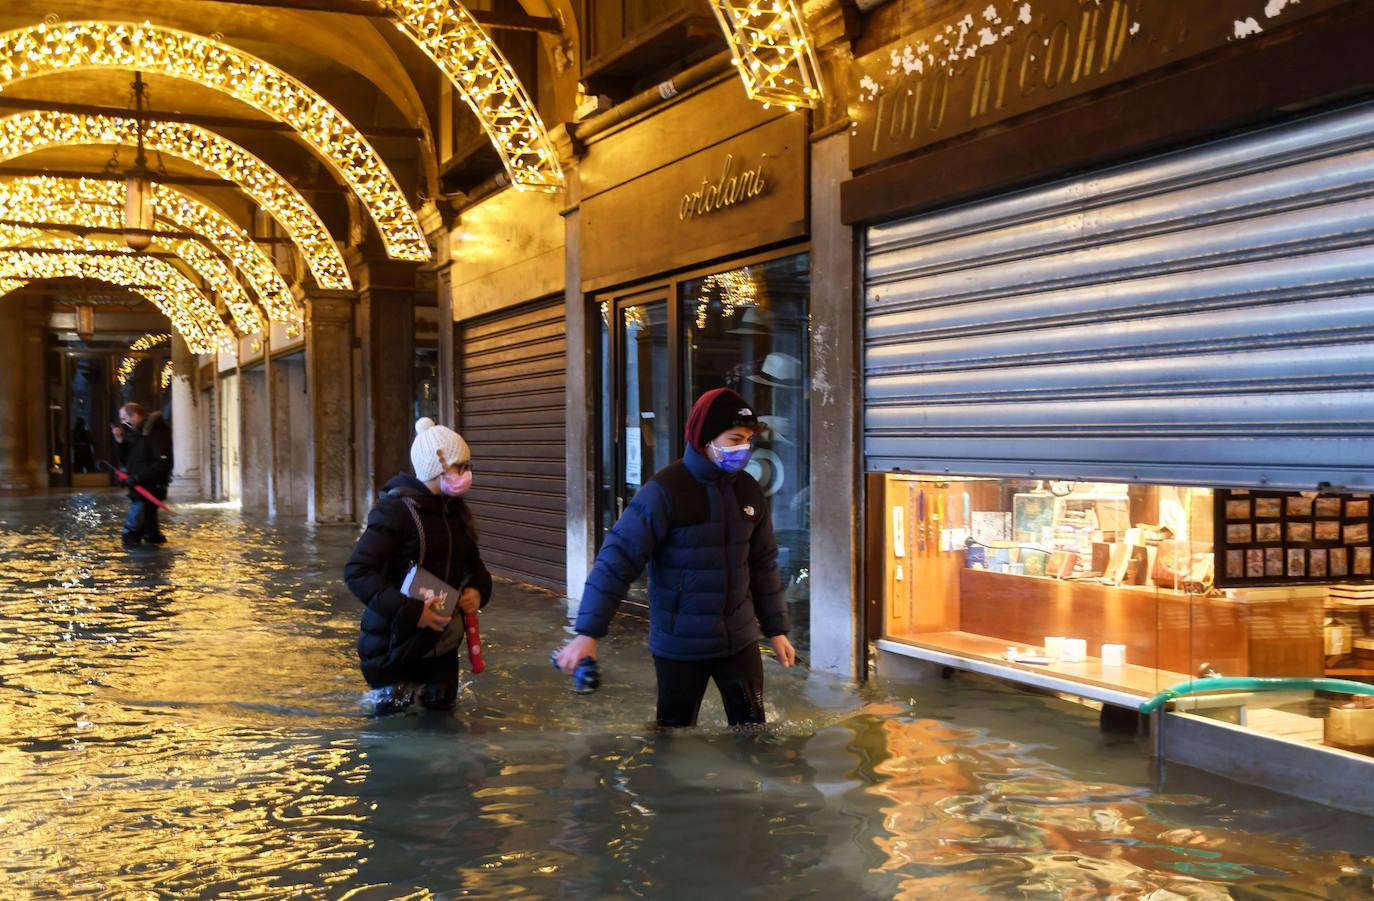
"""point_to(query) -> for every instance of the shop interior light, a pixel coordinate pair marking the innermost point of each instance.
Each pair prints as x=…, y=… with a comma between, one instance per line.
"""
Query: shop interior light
x=31, y=132
x=95, y=203
x=772, y=51
x=485, y=80
x=192, y=314
x=69, y=46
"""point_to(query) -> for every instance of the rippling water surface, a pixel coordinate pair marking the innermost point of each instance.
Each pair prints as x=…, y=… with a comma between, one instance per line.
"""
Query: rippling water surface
x=190, y=722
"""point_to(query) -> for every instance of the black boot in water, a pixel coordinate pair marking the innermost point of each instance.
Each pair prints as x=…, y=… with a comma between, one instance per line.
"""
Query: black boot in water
x=439, y=695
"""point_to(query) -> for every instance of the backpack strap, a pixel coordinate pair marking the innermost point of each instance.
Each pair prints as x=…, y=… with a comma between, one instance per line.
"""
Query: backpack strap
x=419, y=527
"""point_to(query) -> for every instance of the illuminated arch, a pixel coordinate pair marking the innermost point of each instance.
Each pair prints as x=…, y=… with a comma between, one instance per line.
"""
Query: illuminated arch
x=190, y=311
x=68, y=46
x=100, y=203
x=31, y=132
x=771, y=50
x=453, y=39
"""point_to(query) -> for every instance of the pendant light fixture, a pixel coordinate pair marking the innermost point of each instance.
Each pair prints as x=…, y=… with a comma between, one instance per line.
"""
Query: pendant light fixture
x=138, y=203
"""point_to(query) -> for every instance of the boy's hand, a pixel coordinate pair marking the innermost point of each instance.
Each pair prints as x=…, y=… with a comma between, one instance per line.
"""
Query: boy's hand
x=470, y=600
x=573, y=652
x=787, y=655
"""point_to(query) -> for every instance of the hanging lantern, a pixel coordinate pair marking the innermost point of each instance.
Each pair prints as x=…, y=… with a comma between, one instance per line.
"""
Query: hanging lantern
x=138, y=211
x=85, y=321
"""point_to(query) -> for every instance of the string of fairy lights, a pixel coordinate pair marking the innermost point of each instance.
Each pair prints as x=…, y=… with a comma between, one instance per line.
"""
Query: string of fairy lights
x=92, y=202
x=29, y=133
x=127, y=365
x=485, y=80
x=771, y=50
x=191, y=313
x=66, y=46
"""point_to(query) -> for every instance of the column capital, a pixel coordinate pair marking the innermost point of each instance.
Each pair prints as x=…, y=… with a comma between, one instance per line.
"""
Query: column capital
x=329, y=306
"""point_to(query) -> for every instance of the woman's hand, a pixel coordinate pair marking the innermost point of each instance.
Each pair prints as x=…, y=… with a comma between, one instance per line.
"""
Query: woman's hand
x=430, y=617
x=787, y=655
x=470, y=600
x=572, y=653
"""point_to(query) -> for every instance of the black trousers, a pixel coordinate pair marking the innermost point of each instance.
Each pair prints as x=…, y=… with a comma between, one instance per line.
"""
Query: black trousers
x=682, y=685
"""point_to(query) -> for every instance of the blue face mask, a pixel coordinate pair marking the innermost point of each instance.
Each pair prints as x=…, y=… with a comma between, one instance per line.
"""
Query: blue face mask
x=733, y=459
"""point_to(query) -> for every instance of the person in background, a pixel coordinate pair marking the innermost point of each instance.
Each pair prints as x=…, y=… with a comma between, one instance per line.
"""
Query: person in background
x=703, y=528
x=83, y=447
x=419, y=520
x=143, y=444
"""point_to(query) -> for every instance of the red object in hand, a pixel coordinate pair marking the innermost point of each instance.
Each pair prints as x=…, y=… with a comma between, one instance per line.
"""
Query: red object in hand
x=474, y=643
x=124, y=477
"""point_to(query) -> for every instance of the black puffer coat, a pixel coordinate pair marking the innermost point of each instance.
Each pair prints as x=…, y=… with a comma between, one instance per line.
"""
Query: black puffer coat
x=146, y=455
x=380, y=561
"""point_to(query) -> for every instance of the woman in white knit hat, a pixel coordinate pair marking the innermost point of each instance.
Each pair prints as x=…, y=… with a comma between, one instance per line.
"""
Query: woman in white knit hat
x=407, y=644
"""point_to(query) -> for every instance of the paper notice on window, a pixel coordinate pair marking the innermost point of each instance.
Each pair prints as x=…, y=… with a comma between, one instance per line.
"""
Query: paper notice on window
x=633, y=460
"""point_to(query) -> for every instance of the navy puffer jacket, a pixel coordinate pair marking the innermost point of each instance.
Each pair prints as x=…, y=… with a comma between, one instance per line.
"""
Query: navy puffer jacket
x=378, y=566
x=707, y=539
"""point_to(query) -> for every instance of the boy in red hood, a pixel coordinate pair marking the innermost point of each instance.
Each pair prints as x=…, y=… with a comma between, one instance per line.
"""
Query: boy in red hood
x=703, y=529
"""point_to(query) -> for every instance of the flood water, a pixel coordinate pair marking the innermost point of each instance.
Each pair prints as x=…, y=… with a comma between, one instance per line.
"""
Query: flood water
x=190, y=723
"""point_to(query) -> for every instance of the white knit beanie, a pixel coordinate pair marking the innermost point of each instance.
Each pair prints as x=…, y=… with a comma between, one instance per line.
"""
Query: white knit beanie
x=435, y=449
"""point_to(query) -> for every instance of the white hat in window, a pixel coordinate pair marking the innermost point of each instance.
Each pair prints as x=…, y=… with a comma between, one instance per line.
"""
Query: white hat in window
x=779, y=428
x=778, y=369
x=767, y=470
x=754, y=321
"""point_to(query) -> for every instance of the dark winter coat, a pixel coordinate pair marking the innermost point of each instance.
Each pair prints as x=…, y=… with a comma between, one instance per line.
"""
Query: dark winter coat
x=382, y=557
x=146, y=455
x=707, y=538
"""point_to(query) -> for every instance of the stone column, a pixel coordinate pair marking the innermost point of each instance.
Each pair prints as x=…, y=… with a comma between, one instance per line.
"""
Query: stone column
x=836, y=437
x=187, y=449
x=14, y=405
x=448, y=373
x=36, y=389
x=581, y=386
x=329, y=386
x=386, y=331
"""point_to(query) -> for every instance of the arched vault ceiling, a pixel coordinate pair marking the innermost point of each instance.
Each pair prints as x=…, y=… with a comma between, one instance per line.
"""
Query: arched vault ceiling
x=66, y=46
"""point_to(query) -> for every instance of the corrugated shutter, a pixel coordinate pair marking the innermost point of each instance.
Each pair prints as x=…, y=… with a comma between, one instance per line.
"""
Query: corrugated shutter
x=511, y=385
x=1203, y=317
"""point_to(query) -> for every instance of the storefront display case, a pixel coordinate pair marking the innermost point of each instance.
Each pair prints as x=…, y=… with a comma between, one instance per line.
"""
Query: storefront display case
x=1129, y=589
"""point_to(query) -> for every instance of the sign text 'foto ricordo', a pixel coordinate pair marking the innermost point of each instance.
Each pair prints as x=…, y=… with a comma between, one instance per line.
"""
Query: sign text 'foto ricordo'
x=1004, y=58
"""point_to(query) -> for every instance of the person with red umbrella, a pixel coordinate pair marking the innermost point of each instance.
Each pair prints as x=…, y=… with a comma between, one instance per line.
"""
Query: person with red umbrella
x=144, y=448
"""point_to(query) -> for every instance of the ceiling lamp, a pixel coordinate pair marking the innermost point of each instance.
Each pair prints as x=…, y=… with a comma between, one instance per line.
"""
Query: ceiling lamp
x=31, y=132
x=770, y=47
x=138, y=196
x=487, y=83
x=67, y=46
x=192, y=314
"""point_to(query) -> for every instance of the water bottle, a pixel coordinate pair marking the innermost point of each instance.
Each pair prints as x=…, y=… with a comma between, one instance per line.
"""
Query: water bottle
x=586, y=677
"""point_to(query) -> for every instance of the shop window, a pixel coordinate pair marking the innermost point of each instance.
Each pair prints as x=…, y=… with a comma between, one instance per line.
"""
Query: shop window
x=747, y=329
x=1133, y=588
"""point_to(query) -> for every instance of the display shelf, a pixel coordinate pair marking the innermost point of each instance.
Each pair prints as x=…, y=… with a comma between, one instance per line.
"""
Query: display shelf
x=1143, y=681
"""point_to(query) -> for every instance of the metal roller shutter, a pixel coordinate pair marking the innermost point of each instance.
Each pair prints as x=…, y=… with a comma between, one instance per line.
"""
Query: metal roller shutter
x=511, y=385
x=1203, y=317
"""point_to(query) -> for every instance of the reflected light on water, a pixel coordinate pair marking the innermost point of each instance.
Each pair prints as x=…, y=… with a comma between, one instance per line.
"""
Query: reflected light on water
x=190, y=723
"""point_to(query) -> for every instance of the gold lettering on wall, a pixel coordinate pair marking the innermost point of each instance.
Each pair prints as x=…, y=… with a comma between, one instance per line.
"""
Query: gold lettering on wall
x=729, y=189
x=995, y=59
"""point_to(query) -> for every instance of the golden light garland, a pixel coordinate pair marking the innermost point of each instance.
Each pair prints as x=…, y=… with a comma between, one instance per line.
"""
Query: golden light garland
x=487, y=83
x=166, y=378
x=91, y=202
x=31, y=132
x=127, y=365
x=67, y=46
x=191, y=313
x=735, y=288
x=770, y=47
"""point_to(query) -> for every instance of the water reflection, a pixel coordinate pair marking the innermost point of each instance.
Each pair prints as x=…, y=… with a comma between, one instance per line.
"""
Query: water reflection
x=190, y=723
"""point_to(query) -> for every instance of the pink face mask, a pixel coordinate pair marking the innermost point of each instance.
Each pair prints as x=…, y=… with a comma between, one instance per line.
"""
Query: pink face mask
x=454, y=485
